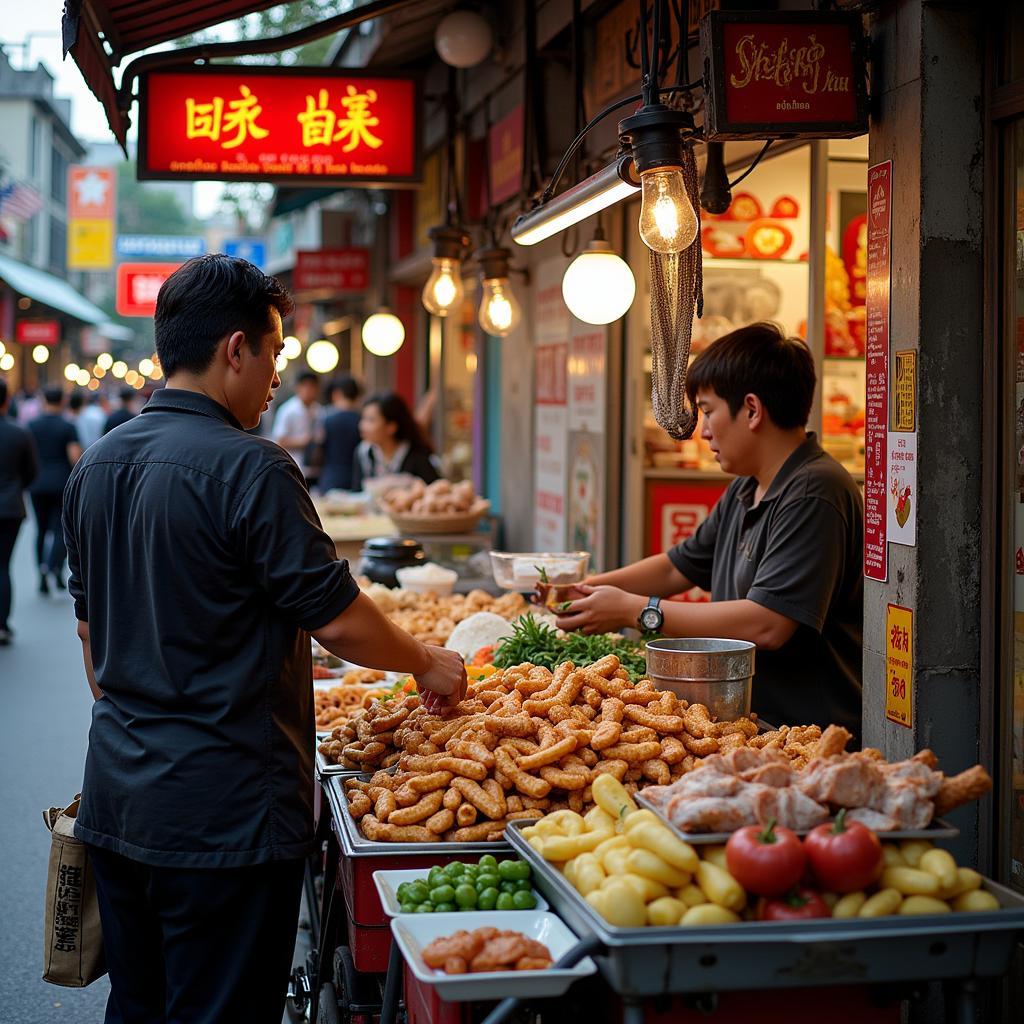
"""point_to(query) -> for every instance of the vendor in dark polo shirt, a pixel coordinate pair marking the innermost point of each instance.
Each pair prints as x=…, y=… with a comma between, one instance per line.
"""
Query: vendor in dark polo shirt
x=781, y=552
x=199, y=570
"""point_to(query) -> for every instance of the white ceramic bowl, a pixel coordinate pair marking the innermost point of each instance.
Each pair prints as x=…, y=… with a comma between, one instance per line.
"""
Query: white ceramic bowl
x=441, y=580
x=387, y=883
x=413, y=932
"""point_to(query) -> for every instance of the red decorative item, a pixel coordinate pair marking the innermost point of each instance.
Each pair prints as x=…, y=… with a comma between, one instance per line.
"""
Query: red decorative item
x=744, y=207
x=768, y=240
x=722, y=244
x=785, y=207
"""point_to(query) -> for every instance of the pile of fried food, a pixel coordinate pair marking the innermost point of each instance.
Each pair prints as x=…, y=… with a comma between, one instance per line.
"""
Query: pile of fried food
x=486, y=949
x=441, y=498
x=527, y=741
x=746, y=786
x=334, y=706
x=430, y=618
x=366, y=740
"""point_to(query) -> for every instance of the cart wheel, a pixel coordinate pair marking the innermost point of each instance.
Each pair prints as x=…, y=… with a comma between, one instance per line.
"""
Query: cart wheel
x=327, y=1012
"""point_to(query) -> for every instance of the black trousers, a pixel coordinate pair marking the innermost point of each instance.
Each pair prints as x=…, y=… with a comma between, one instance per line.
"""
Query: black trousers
x=197, y=946
x=50, y=549
x=8, y=535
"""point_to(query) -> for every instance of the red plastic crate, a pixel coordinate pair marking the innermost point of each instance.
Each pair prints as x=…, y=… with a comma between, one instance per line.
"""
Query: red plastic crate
x=370, y=946
x=424, y=1006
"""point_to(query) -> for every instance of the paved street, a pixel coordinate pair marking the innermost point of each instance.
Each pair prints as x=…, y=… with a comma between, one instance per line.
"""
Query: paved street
x=43, y=736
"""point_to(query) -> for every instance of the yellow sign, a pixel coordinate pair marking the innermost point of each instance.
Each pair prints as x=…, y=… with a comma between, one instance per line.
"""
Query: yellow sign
x=90, y=244
x=904, y=391
x=899, y=665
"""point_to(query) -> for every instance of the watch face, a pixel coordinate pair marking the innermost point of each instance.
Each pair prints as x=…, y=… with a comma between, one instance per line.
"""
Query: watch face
x=650, y=618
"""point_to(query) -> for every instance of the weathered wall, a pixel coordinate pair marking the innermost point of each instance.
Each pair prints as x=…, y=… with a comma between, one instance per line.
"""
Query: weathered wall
x=927, y=89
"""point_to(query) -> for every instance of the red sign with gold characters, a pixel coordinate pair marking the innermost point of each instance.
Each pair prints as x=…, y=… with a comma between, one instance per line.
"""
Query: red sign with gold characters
x=138, y=285
x=286, y=125
x=794, y=74
x=37, y=332
x=340, y=271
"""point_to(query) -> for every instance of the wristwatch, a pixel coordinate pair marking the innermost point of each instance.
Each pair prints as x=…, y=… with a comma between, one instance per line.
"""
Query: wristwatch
x=652, y=618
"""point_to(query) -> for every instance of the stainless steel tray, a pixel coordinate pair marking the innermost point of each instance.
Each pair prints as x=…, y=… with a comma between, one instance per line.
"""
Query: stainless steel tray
x=325, y=769
x=760, y=954
x=938, y=829
x=355, y=844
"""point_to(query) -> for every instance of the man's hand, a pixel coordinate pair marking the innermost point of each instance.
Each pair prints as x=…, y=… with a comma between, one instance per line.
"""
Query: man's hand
x=444, y=682
x=601, y=610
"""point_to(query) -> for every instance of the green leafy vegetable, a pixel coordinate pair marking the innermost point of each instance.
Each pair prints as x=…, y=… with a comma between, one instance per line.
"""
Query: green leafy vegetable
x=543, y=573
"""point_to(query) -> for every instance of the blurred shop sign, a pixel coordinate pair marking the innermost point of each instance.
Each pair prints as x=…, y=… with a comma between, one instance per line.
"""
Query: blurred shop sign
x=253, y=250
x=339, y=271
x=138, y=285
x=505, y=156
x=798, y=74
x=165, y=247
x=286, y=125
x=37, y=332
x=92, y=201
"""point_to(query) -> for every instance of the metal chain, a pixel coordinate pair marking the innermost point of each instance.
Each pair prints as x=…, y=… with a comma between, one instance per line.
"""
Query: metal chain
x=677, y=290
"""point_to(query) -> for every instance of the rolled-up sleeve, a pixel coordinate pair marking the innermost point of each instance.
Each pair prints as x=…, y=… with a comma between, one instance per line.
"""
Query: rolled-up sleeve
x=280, y=538
x=803, y=562
x=695, y=556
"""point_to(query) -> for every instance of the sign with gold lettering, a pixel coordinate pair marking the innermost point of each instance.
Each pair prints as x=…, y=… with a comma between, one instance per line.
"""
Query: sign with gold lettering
x=287, y=125
x=794, y=74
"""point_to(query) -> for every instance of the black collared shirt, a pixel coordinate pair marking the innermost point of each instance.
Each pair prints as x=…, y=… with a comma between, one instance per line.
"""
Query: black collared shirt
x=200, y=565
x=799, y=552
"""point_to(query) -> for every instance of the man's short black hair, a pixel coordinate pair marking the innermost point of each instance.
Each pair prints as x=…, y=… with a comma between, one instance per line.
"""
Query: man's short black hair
x=3, y=391
x=347, y=385
x=127, y=394
x=53, y=394
x=206, y=299
x=76, y=401
x=308, y=377
x=758, y=360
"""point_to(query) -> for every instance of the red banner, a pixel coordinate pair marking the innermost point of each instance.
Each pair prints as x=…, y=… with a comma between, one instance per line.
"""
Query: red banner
x=505, y=156
x=138, y=285
x=37, y=332
x=290, y=126
x=876, y=548
x=340, y=271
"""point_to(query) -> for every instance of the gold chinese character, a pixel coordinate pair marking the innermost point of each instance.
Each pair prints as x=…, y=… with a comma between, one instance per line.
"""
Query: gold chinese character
x=241, y=118
x=202, y=120
x=355, y=127
x=317, y=121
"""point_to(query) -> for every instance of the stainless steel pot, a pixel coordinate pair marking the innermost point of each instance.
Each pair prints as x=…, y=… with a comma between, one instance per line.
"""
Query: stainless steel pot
x=716, y=673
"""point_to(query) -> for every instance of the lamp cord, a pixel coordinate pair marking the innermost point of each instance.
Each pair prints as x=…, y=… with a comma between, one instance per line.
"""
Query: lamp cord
x=757, y=159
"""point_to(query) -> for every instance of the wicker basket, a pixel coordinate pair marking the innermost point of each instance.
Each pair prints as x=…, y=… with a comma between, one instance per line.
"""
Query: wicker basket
x=461, y=522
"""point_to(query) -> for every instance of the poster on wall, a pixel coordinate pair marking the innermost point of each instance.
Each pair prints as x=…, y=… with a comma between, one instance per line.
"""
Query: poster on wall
x=551, y=407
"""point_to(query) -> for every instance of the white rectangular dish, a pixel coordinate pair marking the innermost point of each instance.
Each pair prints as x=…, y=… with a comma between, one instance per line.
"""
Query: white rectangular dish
x=387, y=883
x=413, y=932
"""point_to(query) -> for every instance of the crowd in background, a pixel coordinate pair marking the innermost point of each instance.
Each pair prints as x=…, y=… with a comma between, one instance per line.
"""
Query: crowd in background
x=338, y=439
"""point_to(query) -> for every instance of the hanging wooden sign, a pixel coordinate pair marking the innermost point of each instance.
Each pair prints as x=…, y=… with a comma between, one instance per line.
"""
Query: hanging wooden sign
x=794, y=75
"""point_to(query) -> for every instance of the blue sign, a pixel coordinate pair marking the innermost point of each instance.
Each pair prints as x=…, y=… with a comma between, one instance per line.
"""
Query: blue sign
x=160, y=247
x=251, y=249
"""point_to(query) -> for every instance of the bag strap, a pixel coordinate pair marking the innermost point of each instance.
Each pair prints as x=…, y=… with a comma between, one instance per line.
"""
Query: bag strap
x=51, y=814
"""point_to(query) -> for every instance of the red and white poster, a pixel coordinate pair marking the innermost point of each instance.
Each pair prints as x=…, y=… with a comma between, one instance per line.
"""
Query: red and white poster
x=876, y=481
x=338, y=271
x=138, y=285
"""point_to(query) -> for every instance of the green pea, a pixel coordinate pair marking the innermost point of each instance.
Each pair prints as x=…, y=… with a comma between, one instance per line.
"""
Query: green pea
x=472, y=871
x=505, y=902
x=488, y=861
x=402, y=891
x=488, y=899
x=466, y=896
x=509, y=887
x=445, y=908
x=442, y=894
x=524, y=900
x=425, y=908
x=406, y=907
x=487, y=881
x=435, y=877
x=455, y=869
x=524, y=886
x=418, y=892
x=514, y=870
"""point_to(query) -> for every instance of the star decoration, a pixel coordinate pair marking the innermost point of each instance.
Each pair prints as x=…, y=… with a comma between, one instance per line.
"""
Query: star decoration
x=92, y=189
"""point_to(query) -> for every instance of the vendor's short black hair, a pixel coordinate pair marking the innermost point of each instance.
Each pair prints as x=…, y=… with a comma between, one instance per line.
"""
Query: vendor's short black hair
x=347, y=385
x=53, y=394
x=76, y=400
x=3, y=391
x=208, y=298
x=758, y=360
x=307, y=377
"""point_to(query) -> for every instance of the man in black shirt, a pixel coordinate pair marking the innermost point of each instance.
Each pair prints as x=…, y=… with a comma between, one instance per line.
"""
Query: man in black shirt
x=124, y=412
x=781, y=552
x=199, y=569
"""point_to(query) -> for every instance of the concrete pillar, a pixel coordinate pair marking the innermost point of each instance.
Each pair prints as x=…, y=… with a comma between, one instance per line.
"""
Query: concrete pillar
x=927, y=85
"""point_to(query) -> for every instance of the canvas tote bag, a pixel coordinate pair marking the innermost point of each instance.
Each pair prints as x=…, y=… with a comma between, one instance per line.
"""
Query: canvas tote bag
x=73, y=941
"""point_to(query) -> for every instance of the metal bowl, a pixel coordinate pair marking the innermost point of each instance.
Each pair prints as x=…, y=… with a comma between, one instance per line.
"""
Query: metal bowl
x=701, y=670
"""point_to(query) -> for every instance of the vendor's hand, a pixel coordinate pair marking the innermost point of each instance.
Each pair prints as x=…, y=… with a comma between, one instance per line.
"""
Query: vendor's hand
x=598, y=610
x=444, y=682
x=565, y=592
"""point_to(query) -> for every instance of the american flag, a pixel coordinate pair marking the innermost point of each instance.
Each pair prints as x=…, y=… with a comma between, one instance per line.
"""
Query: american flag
x=19, y=201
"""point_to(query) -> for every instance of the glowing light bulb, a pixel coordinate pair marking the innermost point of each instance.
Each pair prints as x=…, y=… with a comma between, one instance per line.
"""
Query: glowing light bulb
x=145, y=367
x=292, y=347
x=322, y=356
x=667, y=221
x=71, y=371
x=499, y=310
x=6, y=362
x=383, y=334
x=443, y=290
x=3, y=349
x=105, y=361
x=40, y=354
x=281, y=363
x=82, y=379
x=93, y=385
x=119, y=369
x=598, y=286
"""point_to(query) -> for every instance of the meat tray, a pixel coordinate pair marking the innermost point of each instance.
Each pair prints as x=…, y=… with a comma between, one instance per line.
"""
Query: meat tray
x=639, y=962
x=938, y=829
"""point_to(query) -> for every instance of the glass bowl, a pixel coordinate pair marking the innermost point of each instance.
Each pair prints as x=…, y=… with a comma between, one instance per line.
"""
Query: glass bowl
x=520, y=570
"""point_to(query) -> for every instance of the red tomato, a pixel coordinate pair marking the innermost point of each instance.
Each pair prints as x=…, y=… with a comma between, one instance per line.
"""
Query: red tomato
x=767, y=861
x=800, y=905
x=844, y=857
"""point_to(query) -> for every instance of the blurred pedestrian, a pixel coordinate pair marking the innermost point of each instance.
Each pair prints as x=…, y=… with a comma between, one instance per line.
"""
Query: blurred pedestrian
x=392, y=442
x=92, y=419
x=29, y=406
x=58, y=449
x=124, y=412
x=76, y=402
x=341, y=434
x=297, y=425
x=18, y=469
